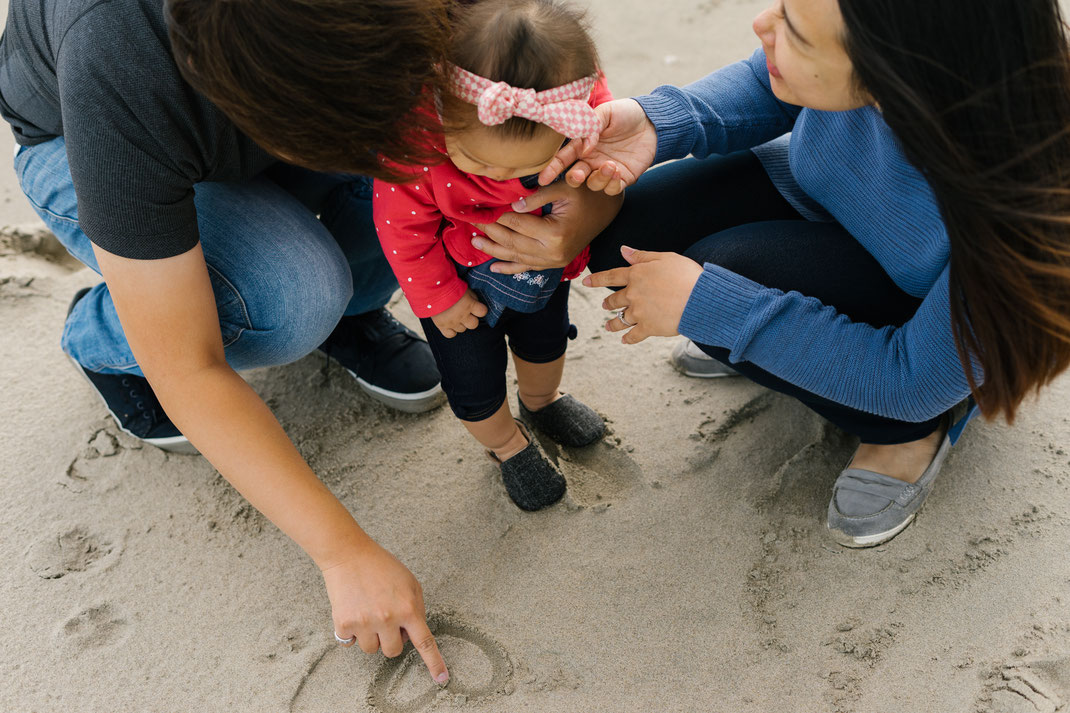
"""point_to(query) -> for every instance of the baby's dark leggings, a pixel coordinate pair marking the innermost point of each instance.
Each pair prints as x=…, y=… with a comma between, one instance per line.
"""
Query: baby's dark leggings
x=473, y=363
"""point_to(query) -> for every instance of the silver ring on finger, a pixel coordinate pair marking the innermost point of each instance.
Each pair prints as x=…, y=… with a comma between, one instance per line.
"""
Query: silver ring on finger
x=626, y=323
x=340, y=640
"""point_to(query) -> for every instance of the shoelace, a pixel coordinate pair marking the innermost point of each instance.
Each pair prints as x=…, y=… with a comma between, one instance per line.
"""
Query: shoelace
x=382, y=324
x=376, y=326
x=133, y=396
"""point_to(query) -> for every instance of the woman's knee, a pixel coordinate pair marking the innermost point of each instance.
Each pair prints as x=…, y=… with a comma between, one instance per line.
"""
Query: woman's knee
x=287, y=283
x=307, y=308
x=281, y=310
x=783, y=254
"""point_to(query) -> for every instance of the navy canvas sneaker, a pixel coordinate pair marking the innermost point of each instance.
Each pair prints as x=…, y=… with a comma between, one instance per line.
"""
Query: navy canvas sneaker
x=388, y=360
x=134, y=406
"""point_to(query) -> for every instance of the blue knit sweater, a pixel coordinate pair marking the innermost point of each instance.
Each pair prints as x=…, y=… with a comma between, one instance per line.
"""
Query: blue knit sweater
x=844, y=166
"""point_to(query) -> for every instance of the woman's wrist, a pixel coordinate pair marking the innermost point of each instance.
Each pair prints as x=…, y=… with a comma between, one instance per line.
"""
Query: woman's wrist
x=342, y=542
x=674, y=125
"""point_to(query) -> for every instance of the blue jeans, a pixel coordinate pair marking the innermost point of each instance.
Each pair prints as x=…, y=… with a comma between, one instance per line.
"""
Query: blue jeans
x=282, y=277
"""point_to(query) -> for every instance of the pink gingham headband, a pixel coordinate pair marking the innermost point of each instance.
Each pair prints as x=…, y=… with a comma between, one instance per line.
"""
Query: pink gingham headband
x=564, y=109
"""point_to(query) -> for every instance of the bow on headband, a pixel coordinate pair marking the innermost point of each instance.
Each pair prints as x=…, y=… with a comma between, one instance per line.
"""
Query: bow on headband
x=564, y=109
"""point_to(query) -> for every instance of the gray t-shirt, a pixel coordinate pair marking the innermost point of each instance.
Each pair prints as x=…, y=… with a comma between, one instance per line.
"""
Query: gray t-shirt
x=100, y=73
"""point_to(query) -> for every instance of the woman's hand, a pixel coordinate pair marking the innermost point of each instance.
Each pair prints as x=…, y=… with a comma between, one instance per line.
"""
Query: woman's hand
x=656, y=289
x=371, y=593
x=377, y=599
x=462, y=316
x=620, y=154
x=525, y=241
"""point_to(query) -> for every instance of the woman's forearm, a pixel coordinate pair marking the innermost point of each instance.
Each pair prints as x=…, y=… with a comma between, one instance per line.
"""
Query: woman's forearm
x=732, y=109
x=234, y=429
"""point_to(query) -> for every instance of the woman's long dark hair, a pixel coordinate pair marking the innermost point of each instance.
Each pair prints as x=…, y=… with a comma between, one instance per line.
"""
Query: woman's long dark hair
x=327, y=84
x=978, y=93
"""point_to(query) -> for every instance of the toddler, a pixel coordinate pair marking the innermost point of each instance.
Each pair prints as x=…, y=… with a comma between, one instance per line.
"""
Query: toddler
x=522, y=81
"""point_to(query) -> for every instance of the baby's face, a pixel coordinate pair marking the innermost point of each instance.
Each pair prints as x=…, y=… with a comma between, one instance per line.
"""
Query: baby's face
x=482, y=152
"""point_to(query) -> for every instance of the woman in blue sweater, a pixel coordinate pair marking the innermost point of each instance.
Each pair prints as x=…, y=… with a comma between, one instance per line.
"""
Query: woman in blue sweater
x=882, y=229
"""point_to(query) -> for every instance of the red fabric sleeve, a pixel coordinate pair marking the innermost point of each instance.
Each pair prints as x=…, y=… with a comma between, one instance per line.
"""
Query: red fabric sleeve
x=407, y=222
x=600, y=93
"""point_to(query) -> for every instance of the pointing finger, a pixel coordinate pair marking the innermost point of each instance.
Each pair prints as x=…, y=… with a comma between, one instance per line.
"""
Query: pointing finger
x=425, y=645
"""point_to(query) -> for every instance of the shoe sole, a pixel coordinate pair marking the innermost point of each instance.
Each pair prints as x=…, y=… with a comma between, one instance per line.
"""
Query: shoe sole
x=679, y=364
x=419, y=402
x=845, y=540
x=704, y=374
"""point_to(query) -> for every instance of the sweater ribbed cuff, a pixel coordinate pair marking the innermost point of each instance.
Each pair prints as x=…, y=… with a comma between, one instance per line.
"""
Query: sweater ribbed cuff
x=672, y=120
x=718, y=307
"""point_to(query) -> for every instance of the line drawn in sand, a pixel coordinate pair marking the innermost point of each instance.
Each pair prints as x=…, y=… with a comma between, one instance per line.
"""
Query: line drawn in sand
x=480, y=670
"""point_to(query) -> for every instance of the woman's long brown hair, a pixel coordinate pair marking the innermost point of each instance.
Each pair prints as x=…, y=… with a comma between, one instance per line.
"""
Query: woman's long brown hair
x=978, y=93
x=326, y=84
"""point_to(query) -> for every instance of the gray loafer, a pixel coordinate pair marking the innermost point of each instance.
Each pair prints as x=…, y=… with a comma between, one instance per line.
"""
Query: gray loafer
x=691, y=361
x=870, y=508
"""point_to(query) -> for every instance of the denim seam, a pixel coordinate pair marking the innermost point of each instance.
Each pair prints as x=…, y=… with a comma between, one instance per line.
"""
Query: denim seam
x=57, y=216
x=241, y=303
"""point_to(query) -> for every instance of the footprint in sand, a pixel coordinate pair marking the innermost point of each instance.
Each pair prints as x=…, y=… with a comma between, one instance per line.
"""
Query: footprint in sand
x=1034, y=686
x=76, y=550
x=479, y=668
x=107, y=458
x=598, y=475
x=94, y=627
x=35, y=240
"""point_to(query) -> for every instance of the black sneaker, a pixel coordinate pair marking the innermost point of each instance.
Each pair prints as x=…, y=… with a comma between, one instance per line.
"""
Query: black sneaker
x=134, y=406
x=388, y=360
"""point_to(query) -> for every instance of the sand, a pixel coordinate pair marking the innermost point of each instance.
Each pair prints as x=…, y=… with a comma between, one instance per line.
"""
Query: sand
x=687, y=569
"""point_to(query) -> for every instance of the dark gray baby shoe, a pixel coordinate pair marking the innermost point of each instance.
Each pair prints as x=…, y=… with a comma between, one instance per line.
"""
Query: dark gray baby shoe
x=530, y=478
x=566, y=421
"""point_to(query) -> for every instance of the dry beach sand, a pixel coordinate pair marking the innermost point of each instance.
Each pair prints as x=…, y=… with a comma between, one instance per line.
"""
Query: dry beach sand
x=687, y=570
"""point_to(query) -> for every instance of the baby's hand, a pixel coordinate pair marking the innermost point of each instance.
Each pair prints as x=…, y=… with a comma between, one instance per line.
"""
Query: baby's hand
x=462, y=316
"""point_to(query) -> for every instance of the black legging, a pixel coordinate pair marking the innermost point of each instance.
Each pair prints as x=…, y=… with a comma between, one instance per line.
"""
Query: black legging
x=724, y=210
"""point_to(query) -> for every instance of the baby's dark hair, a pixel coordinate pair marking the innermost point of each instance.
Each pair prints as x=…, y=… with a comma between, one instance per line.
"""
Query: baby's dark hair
x=530, y=44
